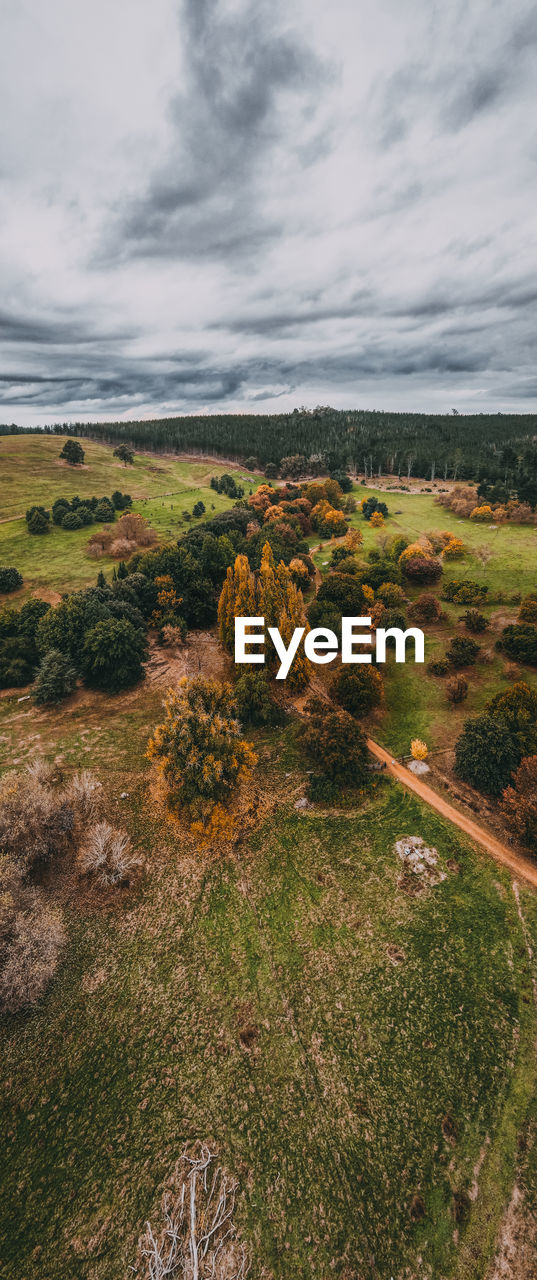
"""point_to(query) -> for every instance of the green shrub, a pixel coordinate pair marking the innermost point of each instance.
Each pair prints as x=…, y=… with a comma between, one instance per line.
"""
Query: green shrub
x=462, y=652
x=59, y=509
x=37, y=520
x=357, y=689
x=335, y=745
x=73, y=453
x=10, y=580
x=105, y=511
x=112, y=655
x=464, y=591
x=255, y=703
x=485, y=755
x=440, y=667
x=516, y=709
x=475, y=621
x=72, y=520
x=55, y=680
x=519, y=642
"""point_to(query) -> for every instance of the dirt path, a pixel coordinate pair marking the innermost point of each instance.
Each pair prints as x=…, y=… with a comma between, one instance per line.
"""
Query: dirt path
x=518, y=865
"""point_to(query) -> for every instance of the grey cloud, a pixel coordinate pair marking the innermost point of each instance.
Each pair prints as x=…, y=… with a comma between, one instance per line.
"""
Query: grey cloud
x=243, y=80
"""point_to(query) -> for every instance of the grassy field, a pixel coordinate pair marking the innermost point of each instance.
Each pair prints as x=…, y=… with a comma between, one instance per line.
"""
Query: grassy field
x=32, y=473
x=513, y=563
x=376, y=1025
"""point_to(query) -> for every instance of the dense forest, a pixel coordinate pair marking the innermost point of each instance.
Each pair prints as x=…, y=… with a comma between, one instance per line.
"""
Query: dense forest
x=449, y=446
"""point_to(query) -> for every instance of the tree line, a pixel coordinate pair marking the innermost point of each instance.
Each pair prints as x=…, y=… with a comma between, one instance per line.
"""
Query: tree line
x=442, y=446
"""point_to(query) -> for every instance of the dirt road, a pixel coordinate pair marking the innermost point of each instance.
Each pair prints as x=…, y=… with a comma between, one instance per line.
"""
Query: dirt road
x=520, y=867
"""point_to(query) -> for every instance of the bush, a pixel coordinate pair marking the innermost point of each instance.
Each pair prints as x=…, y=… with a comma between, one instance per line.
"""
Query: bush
x=426, y=608
x=457, y=689
x=475, y=621
x=10, y=580
x=335, y=744
x=372, y=506
x=198, y=510
x=73, y=453
x=59, y=509
x=107, y=855
x=419, y=749
x=84, y=794
x=72, y=520
x=357, y=689
x=462, y=652
x=255, y=703
x=31, y=937
x=199, y=747
x=391, y=595
x=55, y=680
x=519, y=642
x=36, y=822
x=422, y=568
x=120, y=500
x=440, y=667
x=105, y=511
x=37, y=520
x=112, y=655
x=485, y=755
x=464, y=591
x=519, y=803
x=18, y=651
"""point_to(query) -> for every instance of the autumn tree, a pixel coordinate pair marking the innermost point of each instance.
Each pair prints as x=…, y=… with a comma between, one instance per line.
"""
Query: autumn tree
x=519, y=802
x=199, y=747
x=272, y=595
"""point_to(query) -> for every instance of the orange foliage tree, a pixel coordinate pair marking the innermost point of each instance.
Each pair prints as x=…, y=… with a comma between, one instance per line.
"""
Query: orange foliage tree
x=271, y=594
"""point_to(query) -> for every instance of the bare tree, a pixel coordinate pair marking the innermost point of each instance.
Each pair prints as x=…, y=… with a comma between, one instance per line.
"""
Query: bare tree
x=483, y=554
x=198, y=1240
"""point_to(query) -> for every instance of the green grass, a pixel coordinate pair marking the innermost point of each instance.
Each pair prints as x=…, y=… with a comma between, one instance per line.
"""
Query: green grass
x=162, y=488
x=513, y=564
x=333, y=1119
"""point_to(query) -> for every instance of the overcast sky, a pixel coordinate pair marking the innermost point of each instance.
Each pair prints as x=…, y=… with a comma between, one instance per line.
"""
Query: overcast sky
x=215, y=205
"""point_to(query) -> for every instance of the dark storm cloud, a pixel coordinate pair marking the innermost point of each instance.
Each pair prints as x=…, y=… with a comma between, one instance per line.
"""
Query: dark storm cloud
x=243, y=81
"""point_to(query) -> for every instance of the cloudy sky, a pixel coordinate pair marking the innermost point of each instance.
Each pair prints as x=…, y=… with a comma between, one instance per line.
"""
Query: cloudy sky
x=211, y=205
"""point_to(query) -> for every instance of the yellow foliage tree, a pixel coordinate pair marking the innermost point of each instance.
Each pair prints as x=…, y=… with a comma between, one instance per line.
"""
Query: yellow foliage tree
x=377, y=520
x=418, y=749
x=199, y=748
x=483, y=513
x=353, y=539
x=453, y=549
x=237, y=599
x=271, y=594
